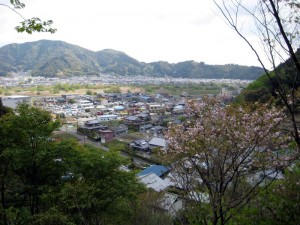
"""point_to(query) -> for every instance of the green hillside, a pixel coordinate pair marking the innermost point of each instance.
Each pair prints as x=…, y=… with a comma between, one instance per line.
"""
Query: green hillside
x=57, y=59
x=263, y=88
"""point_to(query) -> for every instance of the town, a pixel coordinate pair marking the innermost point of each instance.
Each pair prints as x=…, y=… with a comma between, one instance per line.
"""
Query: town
x=136, y=120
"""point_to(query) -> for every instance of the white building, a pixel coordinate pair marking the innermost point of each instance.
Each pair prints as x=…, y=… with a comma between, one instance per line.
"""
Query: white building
x=85, y=104
x=107, y=118
x=14, y=100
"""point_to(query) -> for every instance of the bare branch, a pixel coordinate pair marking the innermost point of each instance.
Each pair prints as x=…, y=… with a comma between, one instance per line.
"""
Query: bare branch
x=12, y=9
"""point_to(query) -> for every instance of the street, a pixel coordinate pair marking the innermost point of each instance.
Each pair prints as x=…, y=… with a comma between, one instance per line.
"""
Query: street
x=84, y=140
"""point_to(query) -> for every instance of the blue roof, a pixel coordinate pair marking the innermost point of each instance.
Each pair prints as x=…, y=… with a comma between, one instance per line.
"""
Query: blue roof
x=157, y=169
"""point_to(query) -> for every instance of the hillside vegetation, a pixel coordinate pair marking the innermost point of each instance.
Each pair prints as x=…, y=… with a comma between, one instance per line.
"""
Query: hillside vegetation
x=263, y=88
x=57, y=59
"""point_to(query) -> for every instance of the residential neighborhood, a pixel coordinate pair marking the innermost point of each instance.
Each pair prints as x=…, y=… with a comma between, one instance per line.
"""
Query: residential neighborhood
x=199, y=124
x=139, y=121
x=136, y=119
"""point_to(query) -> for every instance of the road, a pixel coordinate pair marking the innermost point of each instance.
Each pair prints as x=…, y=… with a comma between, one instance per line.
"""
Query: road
x=84, y=140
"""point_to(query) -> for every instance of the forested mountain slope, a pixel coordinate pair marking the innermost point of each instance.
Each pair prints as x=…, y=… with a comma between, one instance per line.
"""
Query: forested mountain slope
x=263, y=88
x=58, y=58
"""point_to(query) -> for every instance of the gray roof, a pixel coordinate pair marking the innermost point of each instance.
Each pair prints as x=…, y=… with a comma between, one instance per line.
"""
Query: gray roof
x=157, y=127
x=140, y=143
x=92, y=122
x=142, y=115
x=151, y=180
x=120, y=127
x=158, y=142
x=147, y=126
x=132, y=118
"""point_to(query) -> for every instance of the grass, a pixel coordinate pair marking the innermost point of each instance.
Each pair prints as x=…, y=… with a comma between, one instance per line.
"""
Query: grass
x=64, y=135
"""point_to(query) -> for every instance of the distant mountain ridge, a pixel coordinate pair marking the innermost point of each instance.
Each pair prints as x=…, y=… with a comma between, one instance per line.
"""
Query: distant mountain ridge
x=57, y=59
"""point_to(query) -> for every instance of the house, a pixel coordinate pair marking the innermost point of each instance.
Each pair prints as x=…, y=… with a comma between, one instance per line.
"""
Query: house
x=183, y=174
x=132, y=110
x=107, y=118
x=140, y=145
x=131, y=120
x=106, y=135
x=145, y=98
x=179, y=111
x=183, y=180
x=151, y=180
x=119, y=130
x=145, y=128
x=50, y=100
x=159, y=170
x=143, y=116
x=85, y=104
x=155, y=108
x=70, y=96
x=81, y=116
x=158, y=142
x=171, y=203
x=91, y=129
x=92, y=123
x=156, y=130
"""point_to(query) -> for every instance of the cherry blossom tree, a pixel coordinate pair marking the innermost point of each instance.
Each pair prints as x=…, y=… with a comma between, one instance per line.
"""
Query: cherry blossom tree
x=223, y=153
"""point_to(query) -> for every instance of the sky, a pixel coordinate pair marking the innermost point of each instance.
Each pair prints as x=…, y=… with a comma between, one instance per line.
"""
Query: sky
x=147, y=30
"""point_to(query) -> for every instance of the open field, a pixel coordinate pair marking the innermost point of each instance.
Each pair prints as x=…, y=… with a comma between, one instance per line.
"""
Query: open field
x=193, y=89
x=49, y=92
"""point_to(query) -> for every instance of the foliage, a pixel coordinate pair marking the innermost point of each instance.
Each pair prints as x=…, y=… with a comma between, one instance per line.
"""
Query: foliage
x=188, y=88
x=99, y=191
x=35, y=25
x=278, y=205
x=44, y=181
x=31, y=25
x=266, y=86
x=89, y=92
x=120, y=145
x=147, y=210
x=112, y=89
x=57, y=58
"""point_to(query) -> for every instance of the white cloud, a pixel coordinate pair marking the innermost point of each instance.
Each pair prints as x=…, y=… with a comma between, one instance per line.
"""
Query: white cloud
x=168, y=30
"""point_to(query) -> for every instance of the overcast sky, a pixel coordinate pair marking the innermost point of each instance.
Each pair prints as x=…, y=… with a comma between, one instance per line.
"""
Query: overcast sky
x=147, y=30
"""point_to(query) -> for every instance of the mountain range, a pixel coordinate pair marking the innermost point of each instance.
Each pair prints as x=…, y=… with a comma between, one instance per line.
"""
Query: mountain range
x=58, y=59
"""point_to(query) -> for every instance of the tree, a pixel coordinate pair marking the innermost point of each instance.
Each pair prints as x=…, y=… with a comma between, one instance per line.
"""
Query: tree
x=278, y=205
x=113, y=89
x=44, y=180
x=89, y=92
x=148, y=210
x=99, y=192
x=6, y=143
x=33, y=151
x=31, y=25
x=26, y=158
x=224, y=154
x=276, y=24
